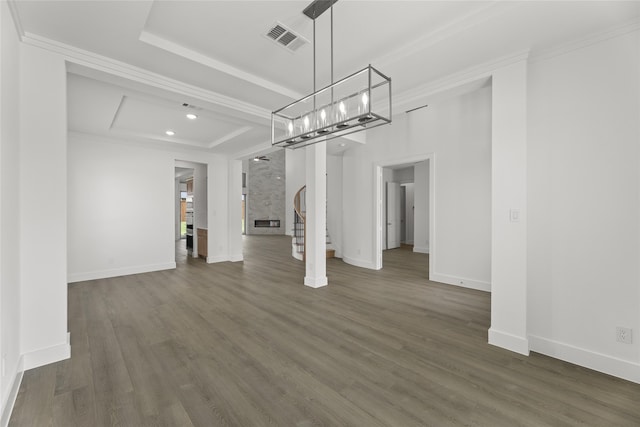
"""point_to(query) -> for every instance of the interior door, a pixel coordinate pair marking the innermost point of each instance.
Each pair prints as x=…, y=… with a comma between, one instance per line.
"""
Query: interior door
x=393, y=215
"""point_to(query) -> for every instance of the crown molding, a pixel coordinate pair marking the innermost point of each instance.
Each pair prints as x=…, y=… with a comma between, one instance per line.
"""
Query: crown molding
x=122, y=69
x=182, y=51
x=230, y=136
x=15, y=15
x=452, y=29
x=477, y=72
x=591, y=39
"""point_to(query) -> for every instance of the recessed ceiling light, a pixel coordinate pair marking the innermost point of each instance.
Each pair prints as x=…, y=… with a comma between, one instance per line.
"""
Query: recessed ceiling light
x=191, y=116
x=342, y=144
x=170, y=132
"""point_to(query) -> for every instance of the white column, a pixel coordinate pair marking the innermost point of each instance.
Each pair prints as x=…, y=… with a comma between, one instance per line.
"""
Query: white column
x=509, y=211
x=316, y=219
x=43, y=207
x=235, y=210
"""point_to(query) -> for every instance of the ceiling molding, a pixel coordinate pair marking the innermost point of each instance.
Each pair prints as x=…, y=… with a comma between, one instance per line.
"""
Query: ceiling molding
x=414, y=97
x=177, y=49
x=588, y=40
x=260, y=149
x=122, y=69
x=132, y=140
x=230, y=136
x=453, y=28
x=15, y=15
x=157, y=138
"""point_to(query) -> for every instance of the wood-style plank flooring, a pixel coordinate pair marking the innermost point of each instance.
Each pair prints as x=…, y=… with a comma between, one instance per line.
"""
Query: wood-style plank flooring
x=246, y=344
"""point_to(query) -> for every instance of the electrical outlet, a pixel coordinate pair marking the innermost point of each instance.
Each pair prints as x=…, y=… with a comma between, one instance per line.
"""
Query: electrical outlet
x=623, y=335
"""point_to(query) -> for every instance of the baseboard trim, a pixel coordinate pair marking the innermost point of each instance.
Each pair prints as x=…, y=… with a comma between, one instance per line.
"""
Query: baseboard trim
x=236, y=258
x=125, y=271
x=7, y=409
x=315, y=282
x=359, y=263
x=460, y=281
x=217, y=258
x=620, y=368
x=48, y=355
x=509, y=341
x=421, y=249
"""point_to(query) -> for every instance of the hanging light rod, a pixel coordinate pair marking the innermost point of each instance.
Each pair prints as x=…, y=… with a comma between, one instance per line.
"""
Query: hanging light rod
x=355, y=103
x=318, y=7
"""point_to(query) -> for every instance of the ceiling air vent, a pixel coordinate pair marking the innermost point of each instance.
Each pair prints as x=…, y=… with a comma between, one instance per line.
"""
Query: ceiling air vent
x=286, y=37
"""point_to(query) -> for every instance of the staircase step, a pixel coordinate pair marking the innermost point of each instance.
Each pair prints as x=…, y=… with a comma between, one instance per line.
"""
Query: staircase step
x=331, y=253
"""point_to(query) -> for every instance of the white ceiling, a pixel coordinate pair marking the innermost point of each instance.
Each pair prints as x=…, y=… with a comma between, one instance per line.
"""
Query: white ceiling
x=214, y=56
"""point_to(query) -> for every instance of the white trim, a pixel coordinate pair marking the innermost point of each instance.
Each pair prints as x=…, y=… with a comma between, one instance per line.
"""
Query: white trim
x=17, y=21
x=230, y=136
x=508, y=341
x=7, y=409
x=591, y=39
x=177, y=49
x=463, y=282
x=124, y=271
x=360, y=263
x=620, y=368
x=218, y=258
x=440, y=34
x=315, y=282
x=468, y=75
x=420, y=249
x=45, y=356
x=378, y=199
x=140, y=75
x=236, y=258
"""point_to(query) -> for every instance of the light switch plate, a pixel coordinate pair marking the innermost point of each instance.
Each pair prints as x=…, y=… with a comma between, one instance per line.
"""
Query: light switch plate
x=514, y=215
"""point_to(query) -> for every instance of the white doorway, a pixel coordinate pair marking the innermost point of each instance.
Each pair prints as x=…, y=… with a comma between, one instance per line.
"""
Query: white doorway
x=418, y=218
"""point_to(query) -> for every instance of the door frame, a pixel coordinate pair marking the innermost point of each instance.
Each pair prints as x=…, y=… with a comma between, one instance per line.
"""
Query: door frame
x=378, y=204
x=396, y=210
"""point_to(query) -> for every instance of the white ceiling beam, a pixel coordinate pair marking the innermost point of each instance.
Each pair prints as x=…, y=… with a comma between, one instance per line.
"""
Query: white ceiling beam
x=192, y=55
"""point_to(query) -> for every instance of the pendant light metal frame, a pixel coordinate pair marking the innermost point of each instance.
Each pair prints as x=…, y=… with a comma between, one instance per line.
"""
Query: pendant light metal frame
x=357, y=102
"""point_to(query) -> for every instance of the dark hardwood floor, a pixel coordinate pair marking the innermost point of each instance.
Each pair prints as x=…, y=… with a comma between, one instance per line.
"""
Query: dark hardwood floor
x=246, y=344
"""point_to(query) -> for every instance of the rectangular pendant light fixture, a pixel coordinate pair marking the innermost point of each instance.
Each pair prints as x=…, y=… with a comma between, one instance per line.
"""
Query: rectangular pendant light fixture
x=355, y=103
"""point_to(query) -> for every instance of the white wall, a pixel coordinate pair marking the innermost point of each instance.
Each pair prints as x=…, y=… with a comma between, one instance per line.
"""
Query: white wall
x=200, y=211
x=121, y=209
x=457, y=132
x=9, y=213
x=110, y=179
x=234, y=197
x=334, y=202
x=43, y=207
x=509, y=210
x=387, y=177
x=421, y=210
x=584, y=211
x=409, y=210
x=177, y=208
x=404, y=175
